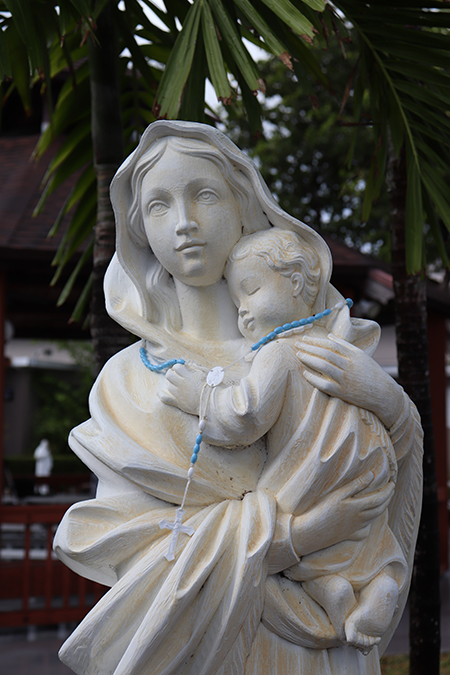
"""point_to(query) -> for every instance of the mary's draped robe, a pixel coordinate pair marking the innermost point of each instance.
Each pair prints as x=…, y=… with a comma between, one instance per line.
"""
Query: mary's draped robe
x=224, y=606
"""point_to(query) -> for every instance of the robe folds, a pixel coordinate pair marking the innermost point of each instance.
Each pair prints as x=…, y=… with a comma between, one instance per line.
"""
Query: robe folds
x=225, y=605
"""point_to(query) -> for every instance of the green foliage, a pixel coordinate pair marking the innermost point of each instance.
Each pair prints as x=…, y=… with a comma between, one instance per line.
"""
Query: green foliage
x=304, y=152
x=62, y=399
x=404, y=54
x=163, y=73
x=398, y=82
x=393, y=90
x=60, y=44
x=275, y=25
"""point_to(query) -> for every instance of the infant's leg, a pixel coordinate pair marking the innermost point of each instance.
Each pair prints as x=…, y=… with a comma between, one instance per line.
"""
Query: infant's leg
x=335, y=595
x=373, y=613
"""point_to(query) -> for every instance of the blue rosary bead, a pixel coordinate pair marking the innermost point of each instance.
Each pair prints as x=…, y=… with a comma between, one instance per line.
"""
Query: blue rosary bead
x=295, y=324
x=160, y=366
x=262, y=341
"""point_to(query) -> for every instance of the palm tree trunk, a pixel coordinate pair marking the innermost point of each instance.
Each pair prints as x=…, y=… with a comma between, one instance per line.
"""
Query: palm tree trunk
x=413, y=372
x=107, y=136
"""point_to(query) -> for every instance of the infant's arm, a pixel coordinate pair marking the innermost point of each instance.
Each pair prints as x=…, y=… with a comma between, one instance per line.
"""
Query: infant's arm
x=239, y=414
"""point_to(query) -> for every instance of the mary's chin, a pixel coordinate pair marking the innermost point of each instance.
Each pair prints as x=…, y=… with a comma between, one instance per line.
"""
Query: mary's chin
x=196, y=272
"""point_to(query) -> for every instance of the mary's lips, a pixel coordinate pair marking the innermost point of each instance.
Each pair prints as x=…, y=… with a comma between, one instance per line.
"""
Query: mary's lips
x=189, y=244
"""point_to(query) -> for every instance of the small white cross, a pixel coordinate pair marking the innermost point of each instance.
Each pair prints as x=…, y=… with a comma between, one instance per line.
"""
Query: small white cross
x=176, y=528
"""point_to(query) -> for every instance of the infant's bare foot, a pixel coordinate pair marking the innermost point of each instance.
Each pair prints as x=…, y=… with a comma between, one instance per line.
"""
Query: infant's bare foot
x=335, y=595
x=359, y=640
x=374, y=612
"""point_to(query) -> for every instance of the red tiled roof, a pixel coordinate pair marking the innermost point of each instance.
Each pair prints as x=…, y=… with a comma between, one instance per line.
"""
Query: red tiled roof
x=25, y=249
x=20, y=180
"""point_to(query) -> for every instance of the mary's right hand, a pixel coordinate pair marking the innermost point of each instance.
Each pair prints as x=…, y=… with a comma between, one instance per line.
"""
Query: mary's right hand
x=342, y=515
x=344, y=371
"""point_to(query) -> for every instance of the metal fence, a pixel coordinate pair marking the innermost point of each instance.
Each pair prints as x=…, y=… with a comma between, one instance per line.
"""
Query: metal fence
x=35, y=587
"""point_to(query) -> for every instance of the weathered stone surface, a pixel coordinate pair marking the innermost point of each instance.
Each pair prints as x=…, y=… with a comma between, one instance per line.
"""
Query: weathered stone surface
x=293, y=544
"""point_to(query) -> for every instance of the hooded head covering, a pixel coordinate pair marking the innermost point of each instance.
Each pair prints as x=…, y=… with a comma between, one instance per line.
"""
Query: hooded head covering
x=139, y=292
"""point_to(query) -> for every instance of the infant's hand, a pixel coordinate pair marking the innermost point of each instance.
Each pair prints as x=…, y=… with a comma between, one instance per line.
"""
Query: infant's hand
x=182, y=388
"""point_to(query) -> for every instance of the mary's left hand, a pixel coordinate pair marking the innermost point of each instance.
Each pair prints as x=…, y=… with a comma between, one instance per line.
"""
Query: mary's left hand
x=344, y=371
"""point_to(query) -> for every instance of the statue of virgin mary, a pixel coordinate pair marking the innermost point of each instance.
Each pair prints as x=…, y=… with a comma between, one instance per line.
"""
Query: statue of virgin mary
x=225, y=605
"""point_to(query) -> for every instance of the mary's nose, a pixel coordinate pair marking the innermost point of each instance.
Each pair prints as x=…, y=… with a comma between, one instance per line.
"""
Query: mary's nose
x=242, y=311
x=184, y=222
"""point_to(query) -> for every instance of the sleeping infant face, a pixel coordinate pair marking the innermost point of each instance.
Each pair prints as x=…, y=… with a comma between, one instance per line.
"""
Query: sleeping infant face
x=264, y=298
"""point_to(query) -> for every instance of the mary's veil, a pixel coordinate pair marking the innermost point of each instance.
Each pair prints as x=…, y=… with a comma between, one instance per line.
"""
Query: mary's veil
x=127, y=298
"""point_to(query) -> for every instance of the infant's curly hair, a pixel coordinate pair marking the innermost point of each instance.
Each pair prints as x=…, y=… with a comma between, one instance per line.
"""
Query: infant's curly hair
x=284, y=252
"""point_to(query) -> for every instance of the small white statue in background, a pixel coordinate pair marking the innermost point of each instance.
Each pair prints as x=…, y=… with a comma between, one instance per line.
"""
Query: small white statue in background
x=44, y=464
x=264, y=556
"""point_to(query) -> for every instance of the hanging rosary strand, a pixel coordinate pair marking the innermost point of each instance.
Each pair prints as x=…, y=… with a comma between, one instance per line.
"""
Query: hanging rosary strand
x=213, y=379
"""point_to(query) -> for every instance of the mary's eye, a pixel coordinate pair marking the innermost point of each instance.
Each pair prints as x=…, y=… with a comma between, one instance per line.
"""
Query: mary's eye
x=207, y=197
x=157, y=208
x=255, y=290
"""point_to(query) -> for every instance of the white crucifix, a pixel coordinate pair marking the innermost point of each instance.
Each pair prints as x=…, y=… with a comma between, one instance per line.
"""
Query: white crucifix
x=177, y=527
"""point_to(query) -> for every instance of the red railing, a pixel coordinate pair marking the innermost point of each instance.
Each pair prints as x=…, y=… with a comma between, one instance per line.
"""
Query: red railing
x=35, y=587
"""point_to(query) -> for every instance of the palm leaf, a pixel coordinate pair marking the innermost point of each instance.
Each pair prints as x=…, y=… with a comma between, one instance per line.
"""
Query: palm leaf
x=20, y=71
x=83, y=300
x=193, y=102
x=231, y=37
x=85, y=8
x=405, y=62
x=5, y=64
x=214, y=57
x=414, y=214
x=26, y=27
x=68, y=286
x=170, y=90
x=273, y=43
x=291, y=16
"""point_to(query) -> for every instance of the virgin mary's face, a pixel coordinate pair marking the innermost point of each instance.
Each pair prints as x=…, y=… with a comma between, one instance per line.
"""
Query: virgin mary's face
x=191, y=217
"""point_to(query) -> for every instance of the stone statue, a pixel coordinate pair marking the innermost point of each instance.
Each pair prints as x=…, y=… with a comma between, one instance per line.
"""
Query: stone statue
x=259, y=474
x=44, y=465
